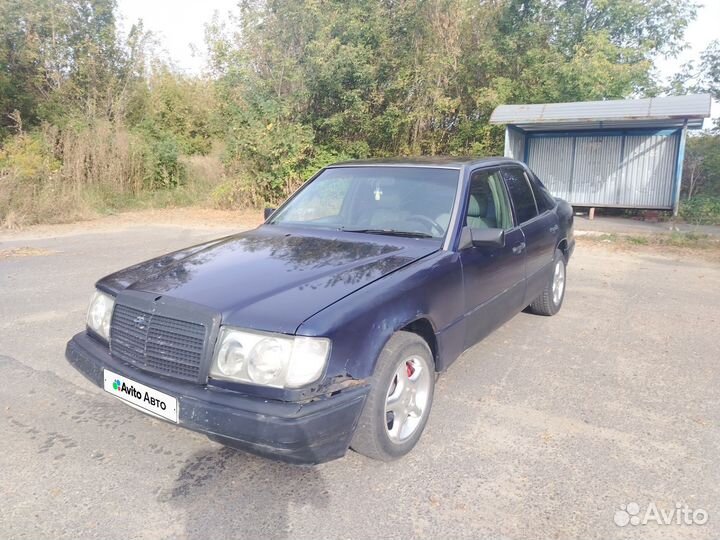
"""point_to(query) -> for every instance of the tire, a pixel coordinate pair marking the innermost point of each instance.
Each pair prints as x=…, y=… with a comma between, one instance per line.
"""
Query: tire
x=405, y=363
x=548, y=303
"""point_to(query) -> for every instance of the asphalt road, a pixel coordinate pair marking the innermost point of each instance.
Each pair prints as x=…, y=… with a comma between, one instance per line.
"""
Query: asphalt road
x=542, y=431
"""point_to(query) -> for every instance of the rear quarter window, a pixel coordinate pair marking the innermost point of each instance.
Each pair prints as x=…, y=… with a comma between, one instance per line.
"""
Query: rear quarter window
x=544, y=200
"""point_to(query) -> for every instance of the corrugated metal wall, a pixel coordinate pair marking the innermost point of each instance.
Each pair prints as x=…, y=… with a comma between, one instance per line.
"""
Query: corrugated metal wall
x=648, y=170
x=551, y=159
x=626, y=170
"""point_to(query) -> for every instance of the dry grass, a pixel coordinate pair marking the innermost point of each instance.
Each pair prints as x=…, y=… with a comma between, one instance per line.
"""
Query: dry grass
x=24, y=252
x=55, y=176
x=224, y=221
x=675, y=243
x=105, y=156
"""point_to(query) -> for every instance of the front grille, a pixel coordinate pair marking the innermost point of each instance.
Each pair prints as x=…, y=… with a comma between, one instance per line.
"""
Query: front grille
x=157, y=343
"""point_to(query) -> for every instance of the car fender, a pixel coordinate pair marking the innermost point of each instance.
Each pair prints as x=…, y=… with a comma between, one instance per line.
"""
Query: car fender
x=360, y=324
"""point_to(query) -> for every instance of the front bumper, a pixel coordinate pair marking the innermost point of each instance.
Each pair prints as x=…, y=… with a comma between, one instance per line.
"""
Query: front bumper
x=305, y=433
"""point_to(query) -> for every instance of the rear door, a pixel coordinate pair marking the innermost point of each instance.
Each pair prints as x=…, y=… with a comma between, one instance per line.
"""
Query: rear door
x=539, y=227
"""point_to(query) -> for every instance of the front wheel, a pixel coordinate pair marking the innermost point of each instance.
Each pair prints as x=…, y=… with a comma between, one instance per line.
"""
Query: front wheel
x=400, y=398
x=551, y=299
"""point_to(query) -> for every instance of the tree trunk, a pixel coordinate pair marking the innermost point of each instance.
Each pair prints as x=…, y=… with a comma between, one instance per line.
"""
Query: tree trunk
x=691, y=187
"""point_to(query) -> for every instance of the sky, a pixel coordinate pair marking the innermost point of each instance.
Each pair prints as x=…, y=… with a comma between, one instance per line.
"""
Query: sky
x=179, y=24
x=699, y=34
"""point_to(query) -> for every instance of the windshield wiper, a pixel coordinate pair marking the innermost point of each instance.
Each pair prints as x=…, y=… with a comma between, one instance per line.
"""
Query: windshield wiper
x=389, y=232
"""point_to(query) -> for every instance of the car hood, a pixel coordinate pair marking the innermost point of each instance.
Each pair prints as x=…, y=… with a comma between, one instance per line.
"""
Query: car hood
x=272, y=278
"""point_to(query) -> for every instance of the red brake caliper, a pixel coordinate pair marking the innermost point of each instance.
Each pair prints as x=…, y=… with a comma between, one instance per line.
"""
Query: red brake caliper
x=410, y=369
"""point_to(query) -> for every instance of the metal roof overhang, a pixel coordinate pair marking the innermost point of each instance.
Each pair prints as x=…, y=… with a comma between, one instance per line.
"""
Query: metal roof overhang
x=650, y=113
x=692, y=123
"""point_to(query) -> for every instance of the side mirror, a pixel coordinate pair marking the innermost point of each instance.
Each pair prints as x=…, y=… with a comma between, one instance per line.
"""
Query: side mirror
x=269, y=211
x=488, y=237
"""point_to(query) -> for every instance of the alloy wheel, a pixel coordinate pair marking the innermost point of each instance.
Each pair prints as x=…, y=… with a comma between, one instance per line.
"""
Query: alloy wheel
x=407, y=398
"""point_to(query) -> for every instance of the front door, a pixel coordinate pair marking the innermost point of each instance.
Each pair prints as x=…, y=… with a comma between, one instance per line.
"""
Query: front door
x=494, y=277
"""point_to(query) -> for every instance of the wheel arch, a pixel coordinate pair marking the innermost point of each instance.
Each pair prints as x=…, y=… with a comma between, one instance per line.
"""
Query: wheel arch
x=423, y=328
x=563, y=246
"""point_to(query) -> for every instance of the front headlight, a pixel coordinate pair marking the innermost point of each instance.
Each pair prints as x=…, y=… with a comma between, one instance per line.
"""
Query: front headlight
x=100, y=313
x=269, y=359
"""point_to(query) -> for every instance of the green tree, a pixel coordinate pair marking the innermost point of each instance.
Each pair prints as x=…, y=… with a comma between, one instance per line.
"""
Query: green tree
x=701, y=173
x=700, y=77
x=167, y=105
x=57, y=58
x=362, y=77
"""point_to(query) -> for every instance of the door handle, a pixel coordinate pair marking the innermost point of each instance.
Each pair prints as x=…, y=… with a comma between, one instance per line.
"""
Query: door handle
x=519, y=248
x=553, y=229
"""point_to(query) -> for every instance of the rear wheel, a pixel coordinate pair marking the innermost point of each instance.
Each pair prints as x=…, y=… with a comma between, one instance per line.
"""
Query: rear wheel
x=400, y=398
x=551, y=299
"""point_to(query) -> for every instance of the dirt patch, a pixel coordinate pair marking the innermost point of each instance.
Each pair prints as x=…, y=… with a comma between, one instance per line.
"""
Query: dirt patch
x=196, y=218
x=24, y=252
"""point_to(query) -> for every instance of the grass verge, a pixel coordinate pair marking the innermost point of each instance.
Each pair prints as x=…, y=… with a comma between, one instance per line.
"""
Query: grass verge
x=674, y=243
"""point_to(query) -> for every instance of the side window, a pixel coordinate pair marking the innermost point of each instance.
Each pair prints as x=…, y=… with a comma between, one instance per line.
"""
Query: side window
x=488, y=204
x=543, y=198
x=521, y=194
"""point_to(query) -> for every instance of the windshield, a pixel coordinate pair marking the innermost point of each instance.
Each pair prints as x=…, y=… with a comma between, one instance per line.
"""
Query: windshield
x=402, y=201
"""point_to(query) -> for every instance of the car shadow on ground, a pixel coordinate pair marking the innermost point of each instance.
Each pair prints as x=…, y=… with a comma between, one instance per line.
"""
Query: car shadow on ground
x=216, y=490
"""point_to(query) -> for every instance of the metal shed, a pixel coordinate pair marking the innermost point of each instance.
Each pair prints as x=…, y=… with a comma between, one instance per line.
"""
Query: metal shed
x=618, y=153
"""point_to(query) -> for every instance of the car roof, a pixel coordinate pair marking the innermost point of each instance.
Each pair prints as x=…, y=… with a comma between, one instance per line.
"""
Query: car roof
x=444, y=162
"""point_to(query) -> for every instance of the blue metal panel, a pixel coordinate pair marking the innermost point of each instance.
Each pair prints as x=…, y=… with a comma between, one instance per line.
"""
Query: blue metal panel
x=679, y=159
x=514, y=143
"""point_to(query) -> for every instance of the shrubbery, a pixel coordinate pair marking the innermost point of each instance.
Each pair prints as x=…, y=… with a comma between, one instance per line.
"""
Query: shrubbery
x=52, y=174
x=91, y=122
x=702, y=210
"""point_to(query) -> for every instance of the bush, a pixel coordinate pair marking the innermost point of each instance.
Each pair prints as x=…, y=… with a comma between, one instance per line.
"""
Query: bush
x=174, y=107
x=163, y=166
x=29, y=157
x=27, y=166
x=268, y=158
x=53, y=174
x=701, y=210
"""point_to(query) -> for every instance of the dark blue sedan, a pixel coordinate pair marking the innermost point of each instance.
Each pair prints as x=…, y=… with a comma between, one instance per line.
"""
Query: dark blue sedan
x=325, y=327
